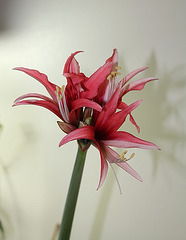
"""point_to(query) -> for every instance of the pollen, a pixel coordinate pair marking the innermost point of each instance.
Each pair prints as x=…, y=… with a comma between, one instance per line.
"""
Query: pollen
x=123, y=154
x=62, y=89
x=109, y=77
x=122, y=157
x=59, y=91
x=118, y=68
x=114, y=73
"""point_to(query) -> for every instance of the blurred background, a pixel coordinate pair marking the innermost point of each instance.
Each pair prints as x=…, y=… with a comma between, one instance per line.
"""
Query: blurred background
x=35, y=172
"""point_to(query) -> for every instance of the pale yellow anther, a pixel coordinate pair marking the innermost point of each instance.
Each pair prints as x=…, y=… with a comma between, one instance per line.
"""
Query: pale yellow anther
x=62, y=88
x=118, y=67
x=114, y=73
x=123, y=158
x=57, y=88
x=118, y=73
x=123, y=154
x=109, y=77
x=132, y=155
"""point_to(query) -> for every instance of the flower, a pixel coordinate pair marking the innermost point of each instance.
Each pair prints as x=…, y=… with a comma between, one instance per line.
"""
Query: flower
x=92, y=109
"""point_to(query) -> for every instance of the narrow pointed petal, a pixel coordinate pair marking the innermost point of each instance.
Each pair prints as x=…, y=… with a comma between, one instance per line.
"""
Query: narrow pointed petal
x=111, y=155
x=136, y=85
x=108, y=110
x=134, y=123
x=71, y=65
x=114, y=57
x=86, y=132
x=48, y=105
x=76, y=78
x=117, y=119
x=130, y=170
x=66, y=127
x=104, y=165
x=74, y=66
x=33, y=95
x=132, y=74
x=82, y=102
x=96, y=79
x=123, y=105
x=127, y=140
x=42, y=78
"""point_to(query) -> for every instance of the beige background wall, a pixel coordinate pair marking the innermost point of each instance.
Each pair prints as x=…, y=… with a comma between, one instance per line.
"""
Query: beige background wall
x=35, y=173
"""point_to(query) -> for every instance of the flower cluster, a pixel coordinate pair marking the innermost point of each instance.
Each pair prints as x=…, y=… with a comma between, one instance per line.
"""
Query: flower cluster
x=91, y=109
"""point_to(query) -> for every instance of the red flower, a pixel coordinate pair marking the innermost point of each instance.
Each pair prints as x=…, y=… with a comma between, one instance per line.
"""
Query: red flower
x=91, y=109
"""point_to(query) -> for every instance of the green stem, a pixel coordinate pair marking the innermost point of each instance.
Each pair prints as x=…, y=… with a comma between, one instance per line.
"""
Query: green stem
x=72, y=196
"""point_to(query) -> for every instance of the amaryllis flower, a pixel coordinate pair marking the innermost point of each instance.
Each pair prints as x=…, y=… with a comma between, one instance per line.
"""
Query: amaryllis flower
x=92, y=110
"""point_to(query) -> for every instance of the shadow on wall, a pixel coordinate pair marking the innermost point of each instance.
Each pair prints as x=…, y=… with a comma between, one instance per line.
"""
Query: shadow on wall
x=6, y=226
x=163, y=124
x=165, y=117
x=14, y=14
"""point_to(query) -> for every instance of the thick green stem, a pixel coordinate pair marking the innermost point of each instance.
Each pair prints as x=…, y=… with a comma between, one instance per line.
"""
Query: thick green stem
x=71, y=199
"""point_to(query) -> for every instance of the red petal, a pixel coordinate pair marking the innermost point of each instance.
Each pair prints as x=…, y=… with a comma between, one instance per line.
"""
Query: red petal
x=130, y=170
x=136, y=85
x=71, y=65
x=104, y=165
x=96, y=79
x=76, y=78
x=123, y=105
x=114, y=57
x=33, y=95
x=48, y=105
x=108, y=110
x=86, y=132
x=117, y=119
x=132, y=74
x=82, y=102
x=127, y=140
x=42, y=78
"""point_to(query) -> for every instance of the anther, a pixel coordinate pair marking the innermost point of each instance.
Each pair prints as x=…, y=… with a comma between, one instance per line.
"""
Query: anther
x=57, y=88
x=132, y=155
x=62, y=89
x=118, y=67
x=114, y=73
x=123, y=154
x=109, y=77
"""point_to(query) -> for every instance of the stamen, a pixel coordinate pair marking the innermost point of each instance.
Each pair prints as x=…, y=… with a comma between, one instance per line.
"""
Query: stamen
x=132, y=155
x=118, y=68
x=62, y=104
x=109, y=77
x=114, y=73
x=123, y=154
x=57, y=88
x=122, y=157
x=62, y=89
